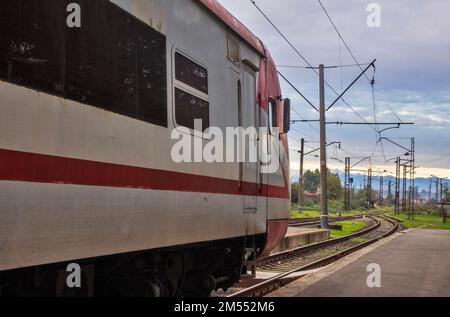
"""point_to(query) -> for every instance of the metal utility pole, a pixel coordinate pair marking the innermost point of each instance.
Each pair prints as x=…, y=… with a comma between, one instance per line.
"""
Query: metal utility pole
x=404, y=189
x=347, y=184
x=411, y=164
x=300, y=176
x=323, y=138
x=323, y=152
x=437, y=190
x=381, y=194
x=429, y=191
x=397, y=187
x=437, y=182
x=412, y=180
x=442, y=200
x=369, y=187
x=409, y=194
x=389, y=190
x=443, y=203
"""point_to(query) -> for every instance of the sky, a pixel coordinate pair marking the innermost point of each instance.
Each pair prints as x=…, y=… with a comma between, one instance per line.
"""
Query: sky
x=412, y=48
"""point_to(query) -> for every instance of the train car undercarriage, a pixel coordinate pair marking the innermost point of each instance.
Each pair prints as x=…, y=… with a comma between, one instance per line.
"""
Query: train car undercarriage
x=193, y=270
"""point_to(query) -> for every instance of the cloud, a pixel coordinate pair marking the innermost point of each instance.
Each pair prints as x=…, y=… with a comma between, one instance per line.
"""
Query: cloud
x=412, y=48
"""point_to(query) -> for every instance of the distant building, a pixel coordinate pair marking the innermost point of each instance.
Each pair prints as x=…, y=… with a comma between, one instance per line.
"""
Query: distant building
x=311, y=195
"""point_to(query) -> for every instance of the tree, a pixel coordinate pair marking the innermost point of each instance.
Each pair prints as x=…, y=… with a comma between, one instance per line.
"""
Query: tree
x=294, y=193
x=335, y=190
x=311, y=181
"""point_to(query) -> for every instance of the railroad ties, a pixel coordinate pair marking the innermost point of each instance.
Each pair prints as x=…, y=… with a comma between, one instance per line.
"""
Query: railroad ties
x=285, y=267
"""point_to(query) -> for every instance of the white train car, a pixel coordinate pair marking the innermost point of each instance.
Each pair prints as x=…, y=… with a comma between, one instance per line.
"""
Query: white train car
x=86, y=173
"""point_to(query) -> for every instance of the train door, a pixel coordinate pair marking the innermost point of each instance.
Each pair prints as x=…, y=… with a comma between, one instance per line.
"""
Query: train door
x=249, y=115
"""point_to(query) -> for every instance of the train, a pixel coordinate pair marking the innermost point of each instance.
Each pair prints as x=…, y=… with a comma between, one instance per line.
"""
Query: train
x=90, y=94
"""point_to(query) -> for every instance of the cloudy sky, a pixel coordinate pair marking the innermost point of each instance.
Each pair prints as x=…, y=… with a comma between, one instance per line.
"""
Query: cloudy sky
x=412, y=48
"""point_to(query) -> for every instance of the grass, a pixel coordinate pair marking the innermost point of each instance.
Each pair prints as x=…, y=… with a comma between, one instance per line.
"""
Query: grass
x=304, y=214
x=423, y=221
x=313, y=210
x=348, y=227
x=359, y=240
x=384, y=209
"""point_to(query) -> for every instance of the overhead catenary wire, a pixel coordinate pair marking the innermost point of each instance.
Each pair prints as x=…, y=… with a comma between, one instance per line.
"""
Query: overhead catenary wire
x=352, y=54
x=297, y=90
x=340, y=65
x=301, y=117
x=307, y=62
x=303, y=135
x=315, y=71
x=306, y=142
x=372, y=82
x=353, y=123
x=336, y=66
x=387, y=105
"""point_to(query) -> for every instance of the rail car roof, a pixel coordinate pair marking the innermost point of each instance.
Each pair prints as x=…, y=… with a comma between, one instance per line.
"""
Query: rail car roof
x=223, y=14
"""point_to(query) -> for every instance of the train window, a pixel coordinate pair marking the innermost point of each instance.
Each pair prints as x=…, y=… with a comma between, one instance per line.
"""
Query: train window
x=234, y=53
x=191, y=73
x=31, y=54
x=119, y=67
x=272, y=114
x=189, y=108
x=191, y=92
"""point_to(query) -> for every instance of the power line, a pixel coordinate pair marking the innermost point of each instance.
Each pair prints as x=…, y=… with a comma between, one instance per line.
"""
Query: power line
x=354, y=123
x=315, y=71
x=306, y=61
x=340, y=64
x=351, y=53
x=337, y=66
x=281, y=33
x=305, y=121
x=351, y=85
x=301, y=136
x=372, y=82
x=298, y=91
x=387, y=104
x=340, y=36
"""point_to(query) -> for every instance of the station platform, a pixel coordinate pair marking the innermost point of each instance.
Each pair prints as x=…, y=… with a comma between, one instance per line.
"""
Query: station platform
x=415, y=263
x=297, y=237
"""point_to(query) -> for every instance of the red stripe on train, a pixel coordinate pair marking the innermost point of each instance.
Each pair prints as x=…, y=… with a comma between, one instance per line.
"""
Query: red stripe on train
x=39, y=168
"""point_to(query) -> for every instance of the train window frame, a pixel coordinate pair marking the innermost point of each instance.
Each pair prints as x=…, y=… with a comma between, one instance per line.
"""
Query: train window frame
x=272, y=113
x=186, y=88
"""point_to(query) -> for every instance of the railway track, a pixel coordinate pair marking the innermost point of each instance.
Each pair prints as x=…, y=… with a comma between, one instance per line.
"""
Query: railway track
x=287, y=263
x=290, y=254
x=306, y=222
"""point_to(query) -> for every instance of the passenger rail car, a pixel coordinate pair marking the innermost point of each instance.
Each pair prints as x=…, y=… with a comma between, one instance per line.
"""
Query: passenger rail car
x=86, y=174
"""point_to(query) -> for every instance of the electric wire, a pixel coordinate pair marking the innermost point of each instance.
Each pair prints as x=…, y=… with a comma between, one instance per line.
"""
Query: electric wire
x=307, y=62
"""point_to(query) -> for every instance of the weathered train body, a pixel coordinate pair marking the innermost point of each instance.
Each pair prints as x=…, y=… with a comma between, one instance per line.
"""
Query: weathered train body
x=86, y=173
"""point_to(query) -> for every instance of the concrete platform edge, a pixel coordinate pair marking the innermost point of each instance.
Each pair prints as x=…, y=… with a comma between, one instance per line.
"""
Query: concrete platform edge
x=296, y=287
